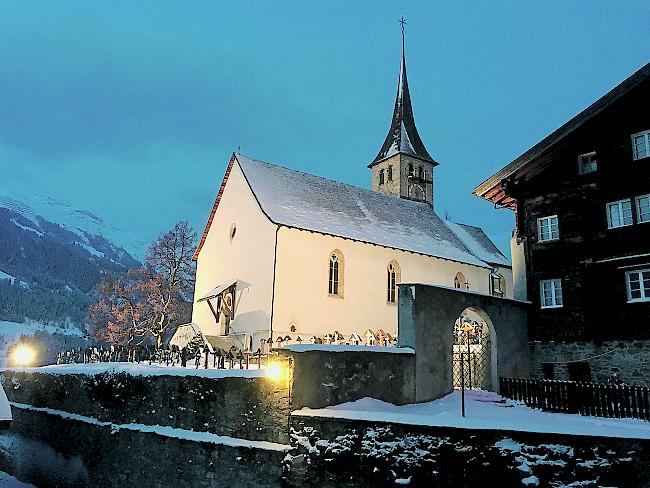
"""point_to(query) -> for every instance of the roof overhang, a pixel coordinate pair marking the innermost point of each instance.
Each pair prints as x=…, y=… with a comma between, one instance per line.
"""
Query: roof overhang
x=215, y=205
x=219, y=289
x=492, y=189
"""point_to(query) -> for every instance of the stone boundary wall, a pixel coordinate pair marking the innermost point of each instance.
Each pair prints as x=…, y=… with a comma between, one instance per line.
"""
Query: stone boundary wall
x=357, y=453
x=48, y=450
x=323, y=378
x=246, y=408
x=627, y=360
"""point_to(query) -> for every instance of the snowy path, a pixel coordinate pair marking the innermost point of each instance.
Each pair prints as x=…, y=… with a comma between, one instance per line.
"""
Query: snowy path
x=484, y=410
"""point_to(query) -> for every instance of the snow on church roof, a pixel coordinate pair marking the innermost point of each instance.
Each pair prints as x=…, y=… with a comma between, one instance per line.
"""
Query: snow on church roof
x=478, y=243
x=312, y=203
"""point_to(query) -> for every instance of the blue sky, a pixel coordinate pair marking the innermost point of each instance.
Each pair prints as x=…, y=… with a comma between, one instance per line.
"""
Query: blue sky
x=132, y=109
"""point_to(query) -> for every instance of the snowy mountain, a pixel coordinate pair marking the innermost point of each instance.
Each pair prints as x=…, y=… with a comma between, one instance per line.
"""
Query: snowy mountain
x=83, y=223
x=51, y=256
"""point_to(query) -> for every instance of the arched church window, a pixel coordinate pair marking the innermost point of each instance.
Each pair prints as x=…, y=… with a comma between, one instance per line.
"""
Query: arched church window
x=460, y=281
x=390, y=172
x=394, y=276
x=410, y=169
x=417, y=193
x=381, y=176
x=421, y=172
x=336, y=268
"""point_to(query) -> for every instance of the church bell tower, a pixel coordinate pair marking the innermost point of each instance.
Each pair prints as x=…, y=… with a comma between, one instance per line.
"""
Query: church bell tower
x=403, y=167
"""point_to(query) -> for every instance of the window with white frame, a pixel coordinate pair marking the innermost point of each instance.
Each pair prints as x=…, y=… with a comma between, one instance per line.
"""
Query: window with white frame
x=641, y=144
x=643, y=208
x=547, y=228
x=587, y=163
x=638, y=285
x=550, y=293
x=619, y=214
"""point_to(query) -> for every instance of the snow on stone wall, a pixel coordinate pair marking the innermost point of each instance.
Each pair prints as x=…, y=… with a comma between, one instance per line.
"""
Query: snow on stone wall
x=381, y=454
x=239, y=407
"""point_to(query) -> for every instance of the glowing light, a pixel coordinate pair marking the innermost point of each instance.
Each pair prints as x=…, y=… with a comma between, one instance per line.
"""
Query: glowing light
x=276, y=371
x=23, y=355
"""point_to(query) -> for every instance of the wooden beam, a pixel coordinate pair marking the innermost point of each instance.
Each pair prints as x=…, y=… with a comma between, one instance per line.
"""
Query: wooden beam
x=216, y=317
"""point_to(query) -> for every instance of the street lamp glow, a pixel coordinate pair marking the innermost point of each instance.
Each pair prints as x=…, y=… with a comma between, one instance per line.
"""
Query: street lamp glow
x=275, y=371
x=23, y=355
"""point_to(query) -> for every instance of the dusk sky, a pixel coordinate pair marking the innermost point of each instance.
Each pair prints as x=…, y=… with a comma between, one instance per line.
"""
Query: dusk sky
x=132, y=109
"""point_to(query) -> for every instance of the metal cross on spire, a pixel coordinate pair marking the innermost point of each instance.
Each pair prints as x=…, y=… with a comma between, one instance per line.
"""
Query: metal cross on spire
x=402, y=22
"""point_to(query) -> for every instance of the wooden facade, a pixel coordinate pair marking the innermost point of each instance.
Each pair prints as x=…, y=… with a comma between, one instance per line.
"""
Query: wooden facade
x=590, y=259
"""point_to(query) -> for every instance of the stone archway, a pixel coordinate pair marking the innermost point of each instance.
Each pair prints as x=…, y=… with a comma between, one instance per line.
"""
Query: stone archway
x=474, y=358
x=426, y=314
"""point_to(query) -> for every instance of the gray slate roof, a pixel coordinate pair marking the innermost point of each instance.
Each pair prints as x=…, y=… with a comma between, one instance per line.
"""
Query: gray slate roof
x=403, y=136
x=300, y=200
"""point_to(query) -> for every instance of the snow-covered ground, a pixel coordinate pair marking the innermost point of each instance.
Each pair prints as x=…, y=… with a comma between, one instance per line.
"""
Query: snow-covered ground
x=12, y=279
x=17, y=329
x=143, y=369
x=10, y=332
x=483, y=410
x=162, y=430
x=8, y=481
x=346, y=348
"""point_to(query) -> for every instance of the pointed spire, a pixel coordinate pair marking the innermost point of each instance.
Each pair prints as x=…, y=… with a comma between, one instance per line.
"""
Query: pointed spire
x=403, y=136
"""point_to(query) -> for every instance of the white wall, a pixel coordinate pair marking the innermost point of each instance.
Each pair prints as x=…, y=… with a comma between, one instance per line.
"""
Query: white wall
x=301, y=296
x=517, y=251
x=248, y=257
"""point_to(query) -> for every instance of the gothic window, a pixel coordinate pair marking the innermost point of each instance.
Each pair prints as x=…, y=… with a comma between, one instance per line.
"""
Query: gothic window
x=381, y=177
x=390, y=173
x=335, y=281
x=393, y=278
x=460, y=281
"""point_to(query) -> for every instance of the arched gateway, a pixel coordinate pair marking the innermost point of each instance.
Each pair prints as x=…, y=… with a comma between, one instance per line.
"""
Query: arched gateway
x=426, y=318
x=474, y=351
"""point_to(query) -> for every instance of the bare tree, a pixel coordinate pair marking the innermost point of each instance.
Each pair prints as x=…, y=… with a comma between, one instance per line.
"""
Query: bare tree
x=144, y=302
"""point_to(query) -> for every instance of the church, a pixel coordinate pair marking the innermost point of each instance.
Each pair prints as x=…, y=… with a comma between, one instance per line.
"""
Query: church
x=289, y=257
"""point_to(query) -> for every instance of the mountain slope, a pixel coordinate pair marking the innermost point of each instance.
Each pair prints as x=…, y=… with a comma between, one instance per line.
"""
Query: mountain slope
x=51, y=256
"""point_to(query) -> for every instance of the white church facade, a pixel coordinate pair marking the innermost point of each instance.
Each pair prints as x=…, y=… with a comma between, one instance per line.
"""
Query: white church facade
x=288, y=256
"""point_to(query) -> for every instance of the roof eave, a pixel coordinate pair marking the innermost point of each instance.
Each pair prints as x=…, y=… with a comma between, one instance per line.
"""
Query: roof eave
x=563, y=131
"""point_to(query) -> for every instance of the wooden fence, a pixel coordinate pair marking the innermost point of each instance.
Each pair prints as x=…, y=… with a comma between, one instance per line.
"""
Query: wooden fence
x=593, y=399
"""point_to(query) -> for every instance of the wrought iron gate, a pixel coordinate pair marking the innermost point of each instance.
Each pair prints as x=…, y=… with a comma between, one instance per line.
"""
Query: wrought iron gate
x=472, y=360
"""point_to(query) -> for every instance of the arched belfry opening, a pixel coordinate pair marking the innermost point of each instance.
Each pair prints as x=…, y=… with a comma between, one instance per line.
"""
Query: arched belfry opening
x=474, y=351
